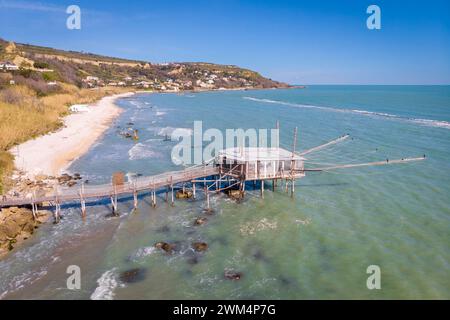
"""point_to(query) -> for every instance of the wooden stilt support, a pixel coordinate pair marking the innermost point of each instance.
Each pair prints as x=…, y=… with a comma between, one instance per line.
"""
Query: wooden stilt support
x=135, y=198
x=114, y=202
x=167, y=193
x=154, y=197
x=287, y=185
x=34, y=209
x=273, y=185
x=171, y=187
x=193, y=190
x=208, y=207
x=57, y=213
x=262, y=189
x=82, y=201
x=292, y=187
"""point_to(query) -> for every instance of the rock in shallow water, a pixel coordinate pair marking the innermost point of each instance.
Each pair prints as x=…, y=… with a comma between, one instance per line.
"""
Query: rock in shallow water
x=133, y=275
x=167, y=247
x=200, y=221
x=232, y=275
x=200, y=246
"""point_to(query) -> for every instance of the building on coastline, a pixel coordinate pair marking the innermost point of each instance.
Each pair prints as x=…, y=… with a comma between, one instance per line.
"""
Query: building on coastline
x=260, y=163
x=8, y=66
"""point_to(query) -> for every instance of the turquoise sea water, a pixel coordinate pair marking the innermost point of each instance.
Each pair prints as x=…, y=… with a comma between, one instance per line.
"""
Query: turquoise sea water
x=315, y=246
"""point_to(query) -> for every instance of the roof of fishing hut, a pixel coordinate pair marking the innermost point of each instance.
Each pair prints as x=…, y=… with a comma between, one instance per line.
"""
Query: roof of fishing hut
x=249, y=154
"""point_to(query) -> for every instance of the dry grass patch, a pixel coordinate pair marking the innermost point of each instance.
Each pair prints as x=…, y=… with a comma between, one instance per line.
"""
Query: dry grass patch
x=24, y=116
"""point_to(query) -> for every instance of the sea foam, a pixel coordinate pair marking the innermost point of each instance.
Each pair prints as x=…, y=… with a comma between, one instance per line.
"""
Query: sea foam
x=425, y=122
x=107, y=283
x=141, y=151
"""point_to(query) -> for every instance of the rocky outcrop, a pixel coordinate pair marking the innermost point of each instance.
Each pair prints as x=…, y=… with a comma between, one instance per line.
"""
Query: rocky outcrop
x=16, y=225
x=200, y=221
x=200, y=246
x=186, y=194
x=232, y=275
x=133, y=275
x=167, y=247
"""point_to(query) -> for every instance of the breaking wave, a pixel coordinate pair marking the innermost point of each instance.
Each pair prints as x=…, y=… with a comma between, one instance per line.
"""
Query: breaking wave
x=106, y=285
x=141, y=151
x=425, y=122
x=169, y=130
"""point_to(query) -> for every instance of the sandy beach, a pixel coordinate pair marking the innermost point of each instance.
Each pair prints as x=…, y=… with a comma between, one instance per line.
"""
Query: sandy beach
x=51, y=154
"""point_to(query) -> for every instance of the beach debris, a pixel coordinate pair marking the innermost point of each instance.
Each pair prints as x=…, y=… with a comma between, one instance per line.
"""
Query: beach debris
x=232, y=275
x=200, y=221
x=133, y=275
x=200, y=246
x=169, y=248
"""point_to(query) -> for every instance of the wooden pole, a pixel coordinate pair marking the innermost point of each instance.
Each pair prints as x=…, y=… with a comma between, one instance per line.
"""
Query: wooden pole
x=262, y=189
x=33, y=209
x=295, y=142
x=114, y=202
x=167, y=192
x=154, y=196
x=82, y=201
x=171, y=186
x=193, y=189
x=135, y=198
x=207, y=199
x=292, y=187
x=57, y=207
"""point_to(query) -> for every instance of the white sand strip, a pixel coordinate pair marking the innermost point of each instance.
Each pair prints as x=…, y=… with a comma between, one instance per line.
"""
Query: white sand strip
x=51, y=154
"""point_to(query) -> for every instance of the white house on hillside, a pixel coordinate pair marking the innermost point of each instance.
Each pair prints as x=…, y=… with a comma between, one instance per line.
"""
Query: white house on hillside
x=9, y=66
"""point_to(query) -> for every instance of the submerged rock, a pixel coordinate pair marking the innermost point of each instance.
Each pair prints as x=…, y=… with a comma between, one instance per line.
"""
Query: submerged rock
x=232, y=275
x=201, y=220
x=165, y=246
x=200, y=246
x=164, y=229
x=133, y=275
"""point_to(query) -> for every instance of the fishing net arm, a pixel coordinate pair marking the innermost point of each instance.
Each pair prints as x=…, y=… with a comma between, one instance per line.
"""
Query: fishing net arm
x=335, y=141
x=377, y=163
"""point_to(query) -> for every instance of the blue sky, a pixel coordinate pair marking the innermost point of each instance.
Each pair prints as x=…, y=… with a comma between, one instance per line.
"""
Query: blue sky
x=303, y=42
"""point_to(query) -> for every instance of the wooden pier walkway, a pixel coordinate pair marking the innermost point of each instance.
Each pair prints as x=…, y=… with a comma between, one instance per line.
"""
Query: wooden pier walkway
x=140, y=184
